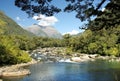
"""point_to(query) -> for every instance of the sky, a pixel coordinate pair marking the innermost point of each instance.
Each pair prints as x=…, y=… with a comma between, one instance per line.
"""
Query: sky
x=63, y=22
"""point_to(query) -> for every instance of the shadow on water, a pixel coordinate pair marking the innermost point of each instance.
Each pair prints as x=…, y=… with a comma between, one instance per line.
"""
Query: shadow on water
x=86, y=71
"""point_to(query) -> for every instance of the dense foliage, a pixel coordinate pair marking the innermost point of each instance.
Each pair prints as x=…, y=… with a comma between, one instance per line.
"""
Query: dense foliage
x=103, y=42
x=109, y=17
x=10, y=53
x=27, y=43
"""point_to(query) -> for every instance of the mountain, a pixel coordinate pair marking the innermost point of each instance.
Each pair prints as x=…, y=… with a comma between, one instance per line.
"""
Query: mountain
x=10, y=27
x=45, y=31
x=37, y=30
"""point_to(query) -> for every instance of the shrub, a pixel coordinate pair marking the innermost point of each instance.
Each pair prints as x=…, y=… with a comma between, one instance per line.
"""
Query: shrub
x=112, y=51
x=92, y=48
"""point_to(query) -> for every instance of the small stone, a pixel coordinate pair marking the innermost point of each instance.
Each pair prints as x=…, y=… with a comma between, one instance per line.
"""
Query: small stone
x=76, y=59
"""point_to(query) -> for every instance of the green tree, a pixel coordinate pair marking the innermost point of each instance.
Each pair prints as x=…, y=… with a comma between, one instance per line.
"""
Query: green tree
x=93, y=48
x=10, y=52
x=112, y=51
x=66, y=39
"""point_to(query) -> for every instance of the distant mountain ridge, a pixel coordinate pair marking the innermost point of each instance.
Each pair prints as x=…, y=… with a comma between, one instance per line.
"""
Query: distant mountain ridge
x=45, y=31
x=10, y=27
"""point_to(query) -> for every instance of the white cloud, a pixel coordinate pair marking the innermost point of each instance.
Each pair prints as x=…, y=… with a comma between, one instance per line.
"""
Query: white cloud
x=35, y=17
x=73, y=32
x=103, y=9
x=18, y=18
x=45, y=21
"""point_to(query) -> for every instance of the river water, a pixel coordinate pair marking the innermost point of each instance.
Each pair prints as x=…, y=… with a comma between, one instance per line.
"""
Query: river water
x=85, y=71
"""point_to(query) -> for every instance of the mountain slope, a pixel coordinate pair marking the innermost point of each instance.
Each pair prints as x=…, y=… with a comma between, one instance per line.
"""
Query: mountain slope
x=9, y=27
x=44, y=31
x=37, y=31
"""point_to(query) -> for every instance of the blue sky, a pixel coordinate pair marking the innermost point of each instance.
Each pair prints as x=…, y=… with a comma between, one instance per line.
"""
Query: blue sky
x=66, y=21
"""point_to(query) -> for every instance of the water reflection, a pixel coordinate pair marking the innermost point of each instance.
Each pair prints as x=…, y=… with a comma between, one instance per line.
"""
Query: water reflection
x=88, y=71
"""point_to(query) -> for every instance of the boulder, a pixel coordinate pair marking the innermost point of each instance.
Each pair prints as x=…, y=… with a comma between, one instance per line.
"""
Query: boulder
x=76, y=59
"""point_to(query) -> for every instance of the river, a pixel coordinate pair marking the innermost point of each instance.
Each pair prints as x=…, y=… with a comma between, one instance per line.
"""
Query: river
x=85, y=71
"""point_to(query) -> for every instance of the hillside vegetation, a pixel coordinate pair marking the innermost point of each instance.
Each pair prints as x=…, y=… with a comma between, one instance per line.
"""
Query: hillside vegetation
x=10, y=27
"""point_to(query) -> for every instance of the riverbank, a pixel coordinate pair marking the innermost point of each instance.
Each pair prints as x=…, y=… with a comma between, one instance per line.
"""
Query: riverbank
x=62, y=54
x=15, y=70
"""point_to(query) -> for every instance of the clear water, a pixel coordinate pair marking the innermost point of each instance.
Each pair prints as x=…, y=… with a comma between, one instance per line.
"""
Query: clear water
x=87, y=71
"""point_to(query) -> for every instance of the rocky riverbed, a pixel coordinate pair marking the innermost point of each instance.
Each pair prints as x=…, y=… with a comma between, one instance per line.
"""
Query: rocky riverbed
x=60, y=54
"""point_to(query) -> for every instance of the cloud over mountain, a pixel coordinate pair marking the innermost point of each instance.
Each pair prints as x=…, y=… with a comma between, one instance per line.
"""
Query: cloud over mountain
x=73, y=32
x=45, y=21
